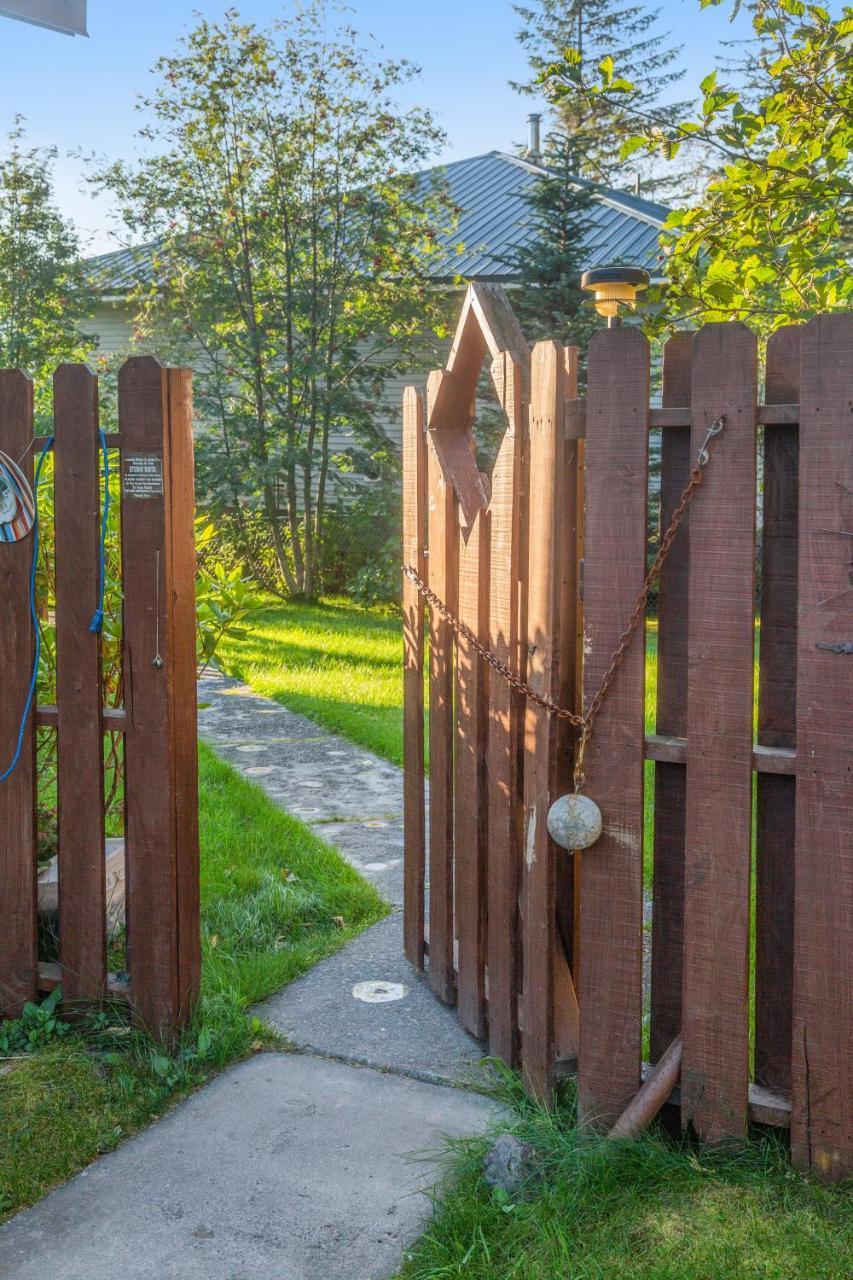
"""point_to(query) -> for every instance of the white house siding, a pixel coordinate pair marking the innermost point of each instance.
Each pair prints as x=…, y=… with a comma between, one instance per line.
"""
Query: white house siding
x=112, y=328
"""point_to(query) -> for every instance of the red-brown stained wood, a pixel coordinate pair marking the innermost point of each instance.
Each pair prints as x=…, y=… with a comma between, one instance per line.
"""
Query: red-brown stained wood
x=611, y=905
x=471, y=803
x=160, y=739
x=414, y=815
x=777, y=724
x=180, y=571
x=671, y=716
x=546, y=551
x=18, y=947
x=443, y=522
x=80, y=746
x=571, y=645
x=822, y=1097
x=715, y=1070
x=505, y=715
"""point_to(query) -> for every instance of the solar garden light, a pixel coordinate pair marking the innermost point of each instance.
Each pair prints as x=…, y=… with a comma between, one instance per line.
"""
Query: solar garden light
x=613, y=288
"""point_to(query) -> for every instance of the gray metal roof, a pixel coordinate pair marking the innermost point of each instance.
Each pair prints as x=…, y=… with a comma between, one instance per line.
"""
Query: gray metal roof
x=494, y=220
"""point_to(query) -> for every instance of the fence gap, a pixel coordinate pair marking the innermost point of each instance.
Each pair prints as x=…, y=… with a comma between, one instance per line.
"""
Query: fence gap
x=777, y=722
x=670, y=778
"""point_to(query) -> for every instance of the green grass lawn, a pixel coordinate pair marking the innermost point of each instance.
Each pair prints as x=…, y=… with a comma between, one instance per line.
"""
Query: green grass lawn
x=336, y=663
x=273, y=898
x=650, y=1210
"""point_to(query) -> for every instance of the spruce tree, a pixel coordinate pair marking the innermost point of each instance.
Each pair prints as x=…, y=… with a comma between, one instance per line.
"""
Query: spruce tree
x=630, y=35
x=549, y=301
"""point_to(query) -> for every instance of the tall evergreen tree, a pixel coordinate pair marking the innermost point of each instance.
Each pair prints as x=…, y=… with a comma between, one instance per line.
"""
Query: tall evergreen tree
x=598, y=29
x=549, y=301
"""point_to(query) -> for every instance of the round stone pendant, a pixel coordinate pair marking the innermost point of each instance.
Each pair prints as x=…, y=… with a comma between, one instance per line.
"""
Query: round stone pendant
x=574, y=822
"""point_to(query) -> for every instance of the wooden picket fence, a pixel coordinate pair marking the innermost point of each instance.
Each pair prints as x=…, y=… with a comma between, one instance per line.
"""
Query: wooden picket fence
x=510, y=926
x=154, y=447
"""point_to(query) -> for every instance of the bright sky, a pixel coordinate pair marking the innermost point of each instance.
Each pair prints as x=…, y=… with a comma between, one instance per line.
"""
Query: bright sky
x=79, y=94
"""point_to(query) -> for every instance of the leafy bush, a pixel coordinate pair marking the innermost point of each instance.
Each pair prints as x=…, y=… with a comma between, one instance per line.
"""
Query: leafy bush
x=361, y=546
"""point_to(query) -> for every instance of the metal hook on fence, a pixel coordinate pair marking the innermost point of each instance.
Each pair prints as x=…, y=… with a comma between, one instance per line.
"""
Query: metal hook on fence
x=714, y=430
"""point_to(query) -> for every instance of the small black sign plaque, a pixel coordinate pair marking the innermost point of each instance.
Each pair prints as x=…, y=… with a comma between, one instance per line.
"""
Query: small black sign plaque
x=143, y=475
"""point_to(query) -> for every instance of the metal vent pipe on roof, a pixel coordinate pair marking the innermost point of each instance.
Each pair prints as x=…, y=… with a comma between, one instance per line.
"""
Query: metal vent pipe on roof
x=534, y=149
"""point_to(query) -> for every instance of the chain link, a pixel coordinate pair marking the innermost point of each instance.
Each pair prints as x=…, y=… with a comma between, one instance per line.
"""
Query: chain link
x=586, y=721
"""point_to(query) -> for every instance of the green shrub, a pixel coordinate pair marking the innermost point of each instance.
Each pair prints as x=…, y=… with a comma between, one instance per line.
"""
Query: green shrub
x=361, y=546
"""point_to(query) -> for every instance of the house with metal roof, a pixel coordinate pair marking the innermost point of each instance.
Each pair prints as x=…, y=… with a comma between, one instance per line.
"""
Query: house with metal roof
x=494, y=220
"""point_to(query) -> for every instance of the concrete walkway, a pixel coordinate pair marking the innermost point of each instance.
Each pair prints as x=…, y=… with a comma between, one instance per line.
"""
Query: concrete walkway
x=300, y=1166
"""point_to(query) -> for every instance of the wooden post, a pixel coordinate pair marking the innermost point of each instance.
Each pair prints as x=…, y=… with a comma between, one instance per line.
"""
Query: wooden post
x=443, y=570
x=505, y=714
x=611, y=906
x=155, y=414
x=822, y=1097
x=715, y=1071
x=567, y=941
x=471, y=806
x=546, y=552
x=777, y=724
x=671, y=715
x=414, y=818
x=18, y=890
x=79, y=686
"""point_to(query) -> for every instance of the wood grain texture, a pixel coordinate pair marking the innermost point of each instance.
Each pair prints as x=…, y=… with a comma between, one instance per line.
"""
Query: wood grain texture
x=505, y=716
x=160, y=741
x=414, y=812
x=822, y=1096
x=80, y=746
x=471, y=802
x=715, y=1070
x=777, y=724
x=611, y=905
x=671, y=715
x=545, y=554
x=443, y=521
x=181, y=630
x=571, y=688
x=18, y=902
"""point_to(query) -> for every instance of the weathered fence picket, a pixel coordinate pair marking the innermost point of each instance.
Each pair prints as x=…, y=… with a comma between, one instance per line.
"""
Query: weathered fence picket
x=157, y=719
x=18, y=903
x=721, y=643
x=565, y=515
x=821, y=1093
x=79, y=685
x=611, y=891
x=414, y=808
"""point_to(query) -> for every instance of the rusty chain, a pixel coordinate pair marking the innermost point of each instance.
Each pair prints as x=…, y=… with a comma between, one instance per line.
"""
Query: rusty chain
x=586, y=721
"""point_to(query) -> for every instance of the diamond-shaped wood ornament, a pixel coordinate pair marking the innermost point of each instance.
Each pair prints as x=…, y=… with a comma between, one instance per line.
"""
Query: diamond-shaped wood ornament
x=487, y=326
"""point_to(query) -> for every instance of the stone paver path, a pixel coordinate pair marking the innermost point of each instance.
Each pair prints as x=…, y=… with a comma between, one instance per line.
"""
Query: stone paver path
x=299, y=1166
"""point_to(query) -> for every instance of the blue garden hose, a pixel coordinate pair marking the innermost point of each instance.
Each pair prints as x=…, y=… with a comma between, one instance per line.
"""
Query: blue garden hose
x=96, y=625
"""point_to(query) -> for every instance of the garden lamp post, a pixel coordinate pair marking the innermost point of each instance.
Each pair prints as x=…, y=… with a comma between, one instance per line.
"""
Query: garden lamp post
x=614, y=288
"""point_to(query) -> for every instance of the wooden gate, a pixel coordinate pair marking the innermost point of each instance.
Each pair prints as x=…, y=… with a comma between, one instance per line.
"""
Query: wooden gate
x=154, y=450
x=749, y=847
